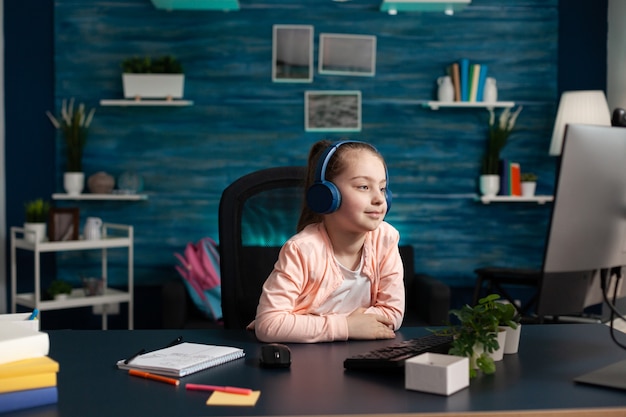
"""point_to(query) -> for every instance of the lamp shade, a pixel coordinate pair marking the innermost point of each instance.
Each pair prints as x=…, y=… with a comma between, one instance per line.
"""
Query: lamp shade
x=580, y=107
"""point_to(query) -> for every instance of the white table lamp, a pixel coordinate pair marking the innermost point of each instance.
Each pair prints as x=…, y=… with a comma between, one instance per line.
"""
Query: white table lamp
x=580, y=107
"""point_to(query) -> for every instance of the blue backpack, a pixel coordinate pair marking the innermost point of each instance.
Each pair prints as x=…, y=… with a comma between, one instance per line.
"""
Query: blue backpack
x=200, y=269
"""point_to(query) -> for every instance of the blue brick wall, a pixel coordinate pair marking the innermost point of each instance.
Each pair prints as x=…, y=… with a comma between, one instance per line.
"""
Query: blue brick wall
x=241, y=121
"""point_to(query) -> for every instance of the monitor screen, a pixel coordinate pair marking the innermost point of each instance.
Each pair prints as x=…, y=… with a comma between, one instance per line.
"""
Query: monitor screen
x=587, y=229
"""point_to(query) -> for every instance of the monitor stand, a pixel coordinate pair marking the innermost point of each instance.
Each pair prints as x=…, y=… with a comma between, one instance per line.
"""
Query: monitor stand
x=612, y=376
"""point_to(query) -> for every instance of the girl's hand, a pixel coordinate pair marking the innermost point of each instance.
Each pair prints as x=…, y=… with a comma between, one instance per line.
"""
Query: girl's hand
x=369, y=326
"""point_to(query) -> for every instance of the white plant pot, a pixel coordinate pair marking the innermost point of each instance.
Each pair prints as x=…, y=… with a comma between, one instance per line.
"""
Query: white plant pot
x=528, y=188
x=140, y=86
x=35, y=232
x=489, y=185
x=74, y=182
x=512, y=339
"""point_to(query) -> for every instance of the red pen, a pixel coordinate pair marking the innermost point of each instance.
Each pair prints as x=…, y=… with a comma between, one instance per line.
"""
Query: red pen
x=154, y=377
x=231, y=390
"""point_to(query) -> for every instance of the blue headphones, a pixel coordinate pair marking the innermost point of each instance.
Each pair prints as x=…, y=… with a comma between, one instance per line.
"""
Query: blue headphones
x=323, y=197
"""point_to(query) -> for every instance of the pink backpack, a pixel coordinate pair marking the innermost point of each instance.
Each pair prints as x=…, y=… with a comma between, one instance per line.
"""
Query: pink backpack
x=200, y=269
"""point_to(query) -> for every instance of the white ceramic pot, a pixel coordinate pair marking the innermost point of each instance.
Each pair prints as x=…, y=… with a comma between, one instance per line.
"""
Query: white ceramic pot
x=93, y=228
x=528, y=188
x=512, y=339
x=489, y=185
x=35, y=232
x=140, y=86
x=445, y=91
x=74, y=182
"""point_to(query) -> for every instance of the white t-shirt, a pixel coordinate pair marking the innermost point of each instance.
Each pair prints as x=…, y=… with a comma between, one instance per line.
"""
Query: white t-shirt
x=354, y=292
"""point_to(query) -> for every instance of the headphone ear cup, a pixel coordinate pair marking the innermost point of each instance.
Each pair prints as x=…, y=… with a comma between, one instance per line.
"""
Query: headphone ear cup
x=388, y=198
x=323, y=197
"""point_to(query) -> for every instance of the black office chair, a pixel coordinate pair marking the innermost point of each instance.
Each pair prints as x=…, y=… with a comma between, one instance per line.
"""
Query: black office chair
x=257, y=214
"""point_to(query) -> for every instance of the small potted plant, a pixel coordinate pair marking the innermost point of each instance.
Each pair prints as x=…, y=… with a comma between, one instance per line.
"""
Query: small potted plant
x=153, y=78
x=478, y=334
x=529, y=183
x=59, y=289
x=36, y=220
x=74, y=123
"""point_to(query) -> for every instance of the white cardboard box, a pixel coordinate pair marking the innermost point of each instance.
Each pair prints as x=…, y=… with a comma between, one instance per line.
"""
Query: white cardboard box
x=436, y=373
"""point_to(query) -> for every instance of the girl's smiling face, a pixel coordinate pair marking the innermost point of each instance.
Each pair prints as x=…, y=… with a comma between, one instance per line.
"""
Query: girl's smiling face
x=362, y=184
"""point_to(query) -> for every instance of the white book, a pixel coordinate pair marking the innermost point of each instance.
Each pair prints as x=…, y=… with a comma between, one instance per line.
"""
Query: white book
x=182, y=359
x=19, y=342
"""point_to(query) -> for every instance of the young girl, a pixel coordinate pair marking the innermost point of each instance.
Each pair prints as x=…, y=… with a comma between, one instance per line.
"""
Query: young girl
x=341, y=276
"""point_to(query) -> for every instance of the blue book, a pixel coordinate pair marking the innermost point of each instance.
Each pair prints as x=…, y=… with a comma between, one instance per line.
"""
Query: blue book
x=19, y=400
x=481, y=82
x=464, y=64
x=505, y=184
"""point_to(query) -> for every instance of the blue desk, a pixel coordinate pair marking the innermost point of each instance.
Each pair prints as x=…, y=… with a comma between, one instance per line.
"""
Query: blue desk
x=539, y=377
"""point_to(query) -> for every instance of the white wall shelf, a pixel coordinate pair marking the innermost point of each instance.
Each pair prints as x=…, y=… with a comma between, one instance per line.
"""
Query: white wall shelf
x=145, y=103
x=113, y=236
x=436, y=105
x=88, y=196
x=539, y=199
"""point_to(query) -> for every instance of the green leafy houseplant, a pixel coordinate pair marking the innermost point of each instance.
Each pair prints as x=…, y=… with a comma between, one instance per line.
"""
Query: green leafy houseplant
x=528, y=177
x=58, y=287
x=37, y=211
x=147, y=65
x=74, y=123
x=498, y=134
x=478, y=326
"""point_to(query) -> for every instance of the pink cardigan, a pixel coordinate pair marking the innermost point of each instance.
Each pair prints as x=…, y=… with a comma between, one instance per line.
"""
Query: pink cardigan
x=306, y=274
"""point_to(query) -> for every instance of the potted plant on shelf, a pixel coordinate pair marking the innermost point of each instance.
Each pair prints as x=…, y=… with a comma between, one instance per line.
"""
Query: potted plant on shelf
x=529, y=184
x=478, y=334
x=59, y=289
x=498, y=134
x=153, y=78
x=37, y=212
x=74, y=124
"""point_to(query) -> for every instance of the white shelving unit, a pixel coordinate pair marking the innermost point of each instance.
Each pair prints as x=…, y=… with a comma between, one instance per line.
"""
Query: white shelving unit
x=86, y=196
x=145, y=103
x=113, y=236
x=539, y=199
x=436, y=105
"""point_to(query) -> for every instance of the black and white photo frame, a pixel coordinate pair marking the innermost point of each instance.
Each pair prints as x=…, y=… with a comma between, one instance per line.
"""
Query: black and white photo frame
x=341, y=54
x=332, y=111
x=292, y=53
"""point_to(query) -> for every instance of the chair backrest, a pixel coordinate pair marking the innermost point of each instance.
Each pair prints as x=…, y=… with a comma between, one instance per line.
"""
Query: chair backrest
x=257, y=214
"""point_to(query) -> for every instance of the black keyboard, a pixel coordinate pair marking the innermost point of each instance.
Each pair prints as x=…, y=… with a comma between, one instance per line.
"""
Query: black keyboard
x=392, y=357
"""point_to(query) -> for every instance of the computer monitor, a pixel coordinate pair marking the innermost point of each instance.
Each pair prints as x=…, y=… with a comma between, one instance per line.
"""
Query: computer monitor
x=587, y=232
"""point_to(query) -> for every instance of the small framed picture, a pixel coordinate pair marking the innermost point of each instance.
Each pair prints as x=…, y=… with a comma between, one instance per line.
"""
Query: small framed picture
x=332, y=111
x=292, y=53
x=347, y=54
x=63, y=224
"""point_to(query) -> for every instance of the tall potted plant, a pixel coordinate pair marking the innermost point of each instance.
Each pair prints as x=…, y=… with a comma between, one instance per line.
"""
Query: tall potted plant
x=153, y=78
x=74, y=124
x=497, y=136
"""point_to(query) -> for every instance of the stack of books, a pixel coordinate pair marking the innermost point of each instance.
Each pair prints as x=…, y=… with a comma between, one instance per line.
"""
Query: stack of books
x=468, y=80
x=510, y=178
x=28, y=376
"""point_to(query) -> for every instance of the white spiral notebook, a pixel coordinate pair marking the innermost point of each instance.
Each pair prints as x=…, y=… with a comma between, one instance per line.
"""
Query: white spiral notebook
x=182, y=359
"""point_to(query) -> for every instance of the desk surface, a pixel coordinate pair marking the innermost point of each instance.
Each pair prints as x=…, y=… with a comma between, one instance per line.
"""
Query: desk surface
x=539, y=377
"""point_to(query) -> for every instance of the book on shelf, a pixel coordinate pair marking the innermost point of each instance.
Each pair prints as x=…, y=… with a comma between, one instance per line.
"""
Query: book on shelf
x=481, y=82
x=20, y=342
x=504, y=172
x=20, y=400
x=182, y=359
x=473, y=82
x=456, y=80
x=464, y=66
x=515, y=179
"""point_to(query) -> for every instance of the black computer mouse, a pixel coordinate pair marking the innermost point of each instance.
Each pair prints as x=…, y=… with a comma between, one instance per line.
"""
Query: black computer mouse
x=275, y=355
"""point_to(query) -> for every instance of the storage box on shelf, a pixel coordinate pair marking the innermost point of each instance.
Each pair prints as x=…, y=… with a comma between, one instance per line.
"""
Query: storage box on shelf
x=113, y=236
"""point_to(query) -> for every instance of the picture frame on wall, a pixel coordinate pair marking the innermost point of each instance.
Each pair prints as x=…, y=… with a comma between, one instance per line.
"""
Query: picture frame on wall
x=292, y=53
x=63, y=224
x=332, y=111
x=347, y=54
